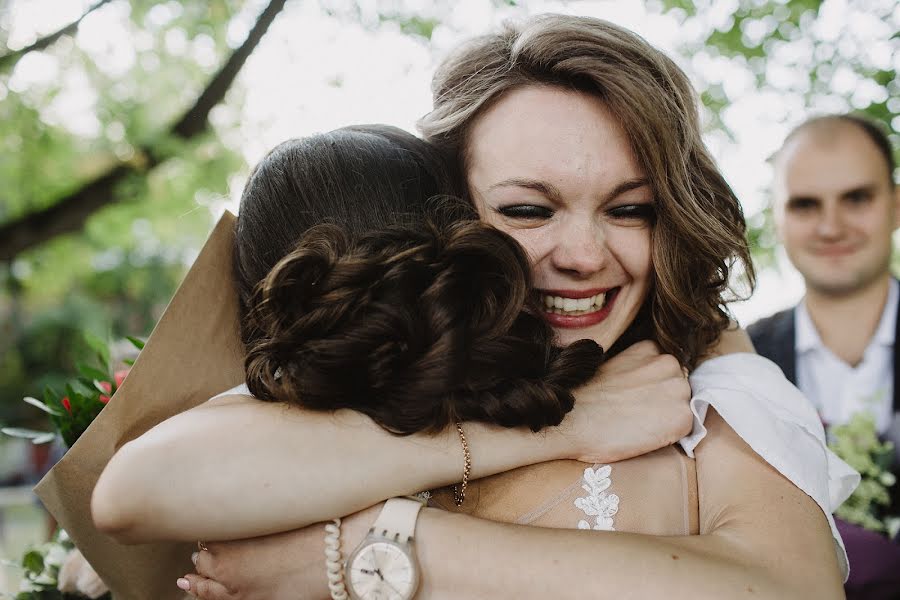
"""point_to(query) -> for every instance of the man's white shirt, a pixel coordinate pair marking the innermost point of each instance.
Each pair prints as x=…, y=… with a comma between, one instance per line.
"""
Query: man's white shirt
x=839, y=390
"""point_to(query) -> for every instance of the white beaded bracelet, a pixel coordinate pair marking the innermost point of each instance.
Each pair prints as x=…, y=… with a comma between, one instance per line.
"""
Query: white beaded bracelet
x=334, y=567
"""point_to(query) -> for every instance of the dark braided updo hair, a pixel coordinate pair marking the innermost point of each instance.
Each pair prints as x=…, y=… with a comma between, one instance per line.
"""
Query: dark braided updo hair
x=365, y=285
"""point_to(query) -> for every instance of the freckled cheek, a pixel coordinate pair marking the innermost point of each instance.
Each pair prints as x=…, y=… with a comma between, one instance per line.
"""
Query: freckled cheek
x=631, y=249
x=536, y=243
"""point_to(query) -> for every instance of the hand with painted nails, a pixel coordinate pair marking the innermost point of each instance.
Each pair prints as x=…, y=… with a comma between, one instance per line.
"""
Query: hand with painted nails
x=282, y=566
x=638, y=402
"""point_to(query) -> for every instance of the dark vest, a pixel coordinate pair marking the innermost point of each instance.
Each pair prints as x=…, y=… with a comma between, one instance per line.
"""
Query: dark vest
x=775, y=338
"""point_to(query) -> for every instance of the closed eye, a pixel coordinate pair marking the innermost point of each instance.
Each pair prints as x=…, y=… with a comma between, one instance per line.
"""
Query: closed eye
x=525, y=211
x=645, y=212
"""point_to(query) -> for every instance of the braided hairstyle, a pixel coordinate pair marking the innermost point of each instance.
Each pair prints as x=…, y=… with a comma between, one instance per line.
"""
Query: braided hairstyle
x=365, y=285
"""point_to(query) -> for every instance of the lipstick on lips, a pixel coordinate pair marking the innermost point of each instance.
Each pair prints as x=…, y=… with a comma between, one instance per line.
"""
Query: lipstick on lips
x=574, y=309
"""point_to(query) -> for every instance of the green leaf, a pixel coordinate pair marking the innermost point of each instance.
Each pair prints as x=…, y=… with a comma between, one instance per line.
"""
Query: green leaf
x=38, y=404
x=136, y=342
x=128, y=362
x=33, y=562
x=92, y=373
x=50, y=396
x=98, y=345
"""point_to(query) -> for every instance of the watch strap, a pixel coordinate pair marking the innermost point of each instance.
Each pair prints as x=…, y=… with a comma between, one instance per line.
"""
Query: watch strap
x=397, y=520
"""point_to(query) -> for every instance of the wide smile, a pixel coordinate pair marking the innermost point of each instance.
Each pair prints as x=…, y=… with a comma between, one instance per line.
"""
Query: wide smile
x=575, y=309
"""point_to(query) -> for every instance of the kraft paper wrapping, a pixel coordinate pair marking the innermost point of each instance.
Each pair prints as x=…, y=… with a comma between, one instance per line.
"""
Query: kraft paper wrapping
x=193, y=353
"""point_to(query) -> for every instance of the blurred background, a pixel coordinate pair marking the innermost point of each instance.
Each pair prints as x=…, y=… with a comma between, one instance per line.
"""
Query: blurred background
x=128, y=126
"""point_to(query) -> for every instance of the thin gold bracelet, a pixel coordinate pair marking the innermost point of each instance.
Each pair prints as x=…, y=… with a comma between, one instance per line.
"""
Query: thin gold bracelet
x=459, y=492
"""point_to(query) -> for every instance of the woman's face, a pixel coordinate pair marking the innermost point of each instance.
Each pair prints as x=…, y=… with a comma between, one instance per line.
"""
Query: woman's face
x=554, y=169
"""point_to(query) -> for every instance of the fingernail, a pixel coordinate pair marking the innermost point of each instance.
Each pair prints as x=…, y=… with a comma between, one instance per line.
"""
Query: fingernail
x=183, y=583
x=194, y=558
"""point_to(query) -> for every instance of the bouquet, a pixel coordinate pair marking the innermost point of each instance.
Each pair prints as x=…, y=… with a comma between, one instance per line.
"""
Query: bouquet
x=857, y=443
x=55, y=570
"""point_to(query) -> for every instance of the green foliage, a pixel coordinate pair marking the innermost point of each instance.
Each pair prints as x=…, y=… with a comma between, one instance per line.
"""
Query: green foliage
x=83, y=398
x=414, y=24
x=858, y=445
x=40, y=567
x=753, y=38
x=117, y=275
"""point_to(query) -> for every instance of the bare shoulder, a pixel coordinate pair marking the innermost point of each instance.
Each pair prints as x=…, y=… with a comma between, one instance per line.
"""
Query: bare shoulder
x=765, y=516
x=733, y=340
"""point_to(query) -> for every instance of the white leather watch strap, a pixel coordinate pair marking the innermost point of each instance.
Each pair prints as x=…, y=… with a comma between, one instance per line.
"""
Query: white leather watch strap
x=397, y=520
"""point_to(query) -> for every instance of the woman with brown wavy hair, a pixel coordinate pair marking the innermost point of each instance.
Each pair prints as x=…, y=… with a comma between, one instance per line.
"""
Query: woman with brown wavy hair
x=582, y=142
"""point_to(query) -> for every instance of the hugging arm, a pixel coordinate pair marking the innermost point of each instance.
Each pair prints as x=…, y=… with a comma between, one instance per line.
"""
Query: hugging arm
x=269, y=467
x=761, y=537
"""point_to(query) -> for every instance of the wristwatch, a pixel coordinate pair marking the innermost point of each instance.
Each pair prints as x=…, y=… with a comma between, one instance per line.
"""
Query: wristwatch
x=384, y=566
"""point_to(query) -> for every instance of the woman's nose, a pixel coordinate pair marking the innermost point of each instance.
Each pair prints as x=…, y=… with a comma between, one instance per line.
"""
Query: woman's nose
x=580, y=249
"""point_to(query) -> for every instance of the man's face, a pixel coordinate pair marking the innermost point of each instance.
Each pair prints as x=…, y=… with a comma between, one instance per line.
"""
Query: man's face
x=835, y=208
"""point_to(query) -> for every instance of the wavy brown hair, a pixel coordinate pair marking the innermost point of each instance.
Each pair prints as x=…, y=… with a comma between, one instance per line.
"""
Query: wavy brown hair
x=699, y=233
x=358, y=293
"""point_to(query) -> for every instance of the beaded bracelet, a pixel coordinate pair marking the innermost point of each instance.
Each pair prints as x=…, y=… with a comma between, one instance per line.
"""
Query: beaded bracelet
x=334, y=567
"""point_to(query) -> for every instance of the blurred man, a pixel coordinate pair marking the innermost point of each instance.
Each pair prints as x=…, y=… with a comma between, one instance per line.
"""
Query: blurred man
x=836, y=208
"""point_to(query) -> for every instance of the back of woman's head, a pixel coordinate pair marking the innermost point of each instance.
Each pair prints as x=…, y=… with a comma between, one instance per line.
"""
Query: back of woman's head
x=360, y=178
x=699, y=232
x=377, y=299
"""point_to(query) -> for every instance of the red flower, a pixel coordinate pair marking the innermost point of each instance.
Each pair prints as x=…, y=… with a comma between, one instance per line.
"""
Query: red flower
x=104, y=399
x=105, y=386
x=66, y=404
x=119, y=376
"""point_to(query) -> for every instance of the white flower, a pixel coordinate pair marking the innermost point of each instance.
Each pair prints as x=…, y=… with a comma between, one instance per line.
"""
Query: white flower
x=598, y=503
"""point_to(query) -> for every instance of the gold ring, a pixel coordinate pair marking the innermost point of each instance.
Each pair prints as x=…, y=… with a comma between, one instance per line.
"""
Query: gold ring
x=202, y=546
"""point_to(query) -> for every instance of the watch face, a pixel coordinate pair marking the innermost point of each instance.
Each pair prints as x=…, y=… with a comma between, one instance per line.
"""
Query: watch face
x=382, y=571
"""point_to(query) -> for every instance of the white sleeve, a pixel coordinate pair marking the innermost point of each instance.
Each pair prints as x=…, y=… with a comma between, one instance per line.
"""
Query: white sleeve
x=776, y=420
x=238, y=390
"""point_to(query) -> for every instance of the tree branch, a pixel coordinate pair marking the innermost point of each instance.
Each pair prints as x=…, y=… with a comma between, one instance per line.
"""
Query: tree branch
x=9, y=60
x=70, y=212
x=195, y=119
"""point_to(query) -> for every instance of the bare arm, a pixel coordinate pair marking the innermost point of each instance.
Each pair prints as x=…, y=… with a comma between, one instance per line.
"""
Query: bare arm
x=269, y=467
x=761, y=537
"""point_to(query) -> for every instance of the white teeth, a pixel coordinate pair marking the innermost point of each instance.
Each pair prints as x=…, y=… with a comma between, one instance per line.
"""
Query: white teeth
x=561, y=304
